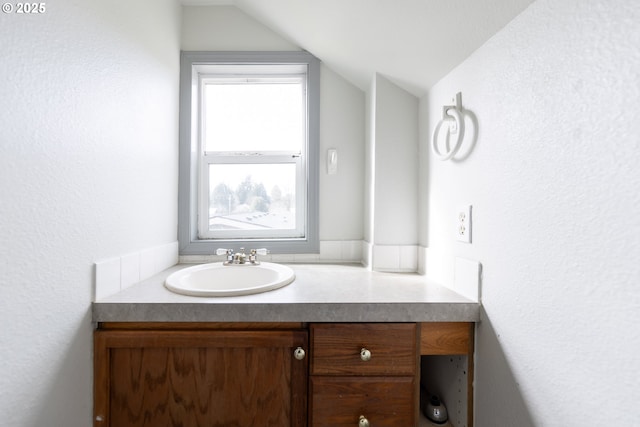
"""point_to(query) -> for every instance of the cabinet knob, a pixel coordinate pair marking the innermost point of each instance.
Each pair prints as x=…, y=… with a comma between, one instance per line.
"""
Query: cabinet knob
x=299, y=353
x=363, y=422
x=365, y=355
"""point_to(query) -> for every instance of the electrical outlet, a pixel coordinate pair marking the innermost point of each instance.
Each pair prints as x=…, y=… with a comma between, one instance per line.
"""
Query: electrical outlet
x=463, y=224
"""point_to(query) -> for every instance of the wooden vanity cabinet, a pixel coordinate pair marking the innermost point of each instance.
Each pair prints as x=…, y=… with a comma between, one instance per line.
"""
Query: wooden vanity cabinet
x=247, y=374
x=363, y=374
x=211, y=377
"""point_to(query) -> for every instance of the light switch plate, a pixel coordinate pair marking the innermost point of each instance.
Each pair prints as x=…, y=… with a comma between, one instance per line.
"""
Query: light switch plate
x=332, y=161
x=463, y=224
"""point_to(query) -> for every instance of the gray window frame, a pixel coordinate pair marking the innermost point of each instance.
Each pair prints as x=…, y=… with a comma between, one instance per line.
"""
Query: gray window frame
x=189, y=241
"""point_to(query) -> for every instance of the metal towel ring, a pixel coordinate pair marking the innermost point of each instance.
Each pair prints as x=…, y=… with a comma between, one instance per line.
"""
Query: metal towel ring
x=449, y=112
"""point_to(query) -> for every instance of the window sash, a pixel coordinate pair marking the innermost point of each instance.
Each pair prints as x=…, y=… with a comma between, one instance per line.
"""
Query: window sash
x=297, y=79
x=252, y=158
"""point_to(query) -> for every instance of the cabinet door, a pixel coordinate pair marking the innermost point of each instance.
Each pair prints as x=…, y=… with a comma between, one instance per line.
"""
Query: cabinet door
x=199, y=378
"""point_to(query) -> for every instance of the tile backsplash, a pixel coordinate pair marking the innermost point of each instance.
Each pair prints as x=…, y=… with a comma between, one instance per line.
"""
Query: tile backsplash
x=118, y=273
x=392, y=258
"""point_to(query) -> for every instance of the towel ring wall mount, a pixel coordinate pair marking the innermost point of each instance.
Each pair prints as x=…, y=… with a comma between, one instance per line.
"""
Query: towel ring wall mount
x=453, y=117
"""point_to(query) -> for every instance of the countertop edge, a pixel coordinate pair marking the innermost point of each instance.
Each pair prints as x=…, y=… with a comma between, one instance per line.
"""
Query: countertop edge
x=287, y=312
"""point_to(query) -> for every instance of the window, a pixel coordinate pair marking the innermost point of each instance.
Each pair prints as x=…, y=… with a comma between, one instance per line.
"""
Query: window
x=248, y=151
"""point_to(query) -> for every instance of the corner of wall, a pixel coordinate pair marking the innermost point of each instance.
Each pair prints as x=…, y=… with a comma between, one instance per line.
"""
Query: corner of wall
x=393, y=258
x=422, y=260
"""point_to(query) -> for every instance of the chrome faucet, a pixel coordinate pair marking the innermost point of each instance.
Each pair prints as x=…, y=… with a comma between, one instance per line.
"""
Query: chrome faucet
x=241, y=257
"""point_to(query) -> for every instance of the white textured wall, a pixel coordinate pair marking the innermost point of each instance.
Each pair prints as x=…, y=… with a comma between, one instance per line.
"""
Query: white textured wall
x=342, y=107
x=554, y=182
x=227, y=28
x=395, y=149
x=391, y=178
x=88, y=170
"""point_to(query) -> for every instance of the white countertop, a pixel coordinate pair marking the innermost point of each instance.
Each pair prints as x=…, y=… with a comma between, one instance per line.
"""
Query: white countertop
x=320, y=293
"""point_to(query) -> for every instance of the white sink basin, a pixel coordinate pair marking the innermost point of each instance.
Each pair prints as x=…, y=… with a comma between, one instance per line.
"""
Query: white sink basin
x=218, y=280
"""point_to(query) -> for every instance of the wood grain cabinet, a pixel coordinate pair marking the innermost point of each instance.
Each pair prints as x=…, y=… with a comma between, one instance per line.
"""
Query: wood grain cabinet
x=269, y=374
x=363, y=375
x=200, y=378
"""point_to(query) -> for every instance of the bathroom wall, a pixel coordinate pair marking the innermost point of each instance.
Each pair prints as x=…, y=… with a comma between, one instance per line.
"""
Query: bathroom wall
x=342, y=109
x=391, y=178
x=88, y=171
x=396, y=165
x=553, y=179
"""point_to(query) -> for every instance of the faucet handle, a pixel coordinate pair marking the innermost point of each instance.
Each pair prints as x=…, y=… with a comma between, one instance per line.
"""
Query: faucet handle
x=253, y=255
x=222, y=251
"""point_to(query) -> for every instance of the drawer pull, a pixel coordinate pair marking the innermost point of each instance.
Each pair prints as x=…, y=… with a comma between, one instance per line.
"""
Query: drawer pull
x=363, y=422
x=299, y=353
x=365, y=355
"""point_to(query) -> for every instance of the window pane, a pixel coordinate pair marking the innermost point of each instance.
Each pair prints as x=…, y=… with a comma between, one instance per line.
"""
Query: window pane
x=252, y=197
x=253, y=116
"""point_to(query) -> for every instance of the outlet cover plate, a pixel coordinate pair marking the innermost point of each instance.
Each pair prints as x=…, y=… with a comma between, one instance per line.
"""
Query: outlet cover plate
x=463, y=224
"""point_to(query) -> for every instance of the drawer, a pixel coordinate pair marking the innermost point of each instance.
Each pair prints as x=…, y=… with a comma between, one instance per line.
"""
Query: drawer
x=446, y=338
x=384, y=402
x=336, y=349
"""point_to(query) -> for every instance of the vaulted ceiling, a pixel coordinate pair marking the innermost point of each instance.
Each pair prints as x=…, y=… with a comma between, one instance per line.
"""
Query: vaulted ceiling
x=412, y=42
